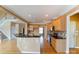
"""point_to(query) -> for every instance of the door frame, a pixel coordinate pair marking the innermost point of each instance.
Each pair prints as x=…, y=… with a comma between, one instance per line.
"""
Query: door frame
x=67, y=29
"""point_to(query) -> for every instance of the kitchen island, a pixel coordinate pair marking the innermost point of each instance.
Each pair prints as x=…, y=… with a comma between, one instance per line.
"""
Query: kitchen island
x=29, y=44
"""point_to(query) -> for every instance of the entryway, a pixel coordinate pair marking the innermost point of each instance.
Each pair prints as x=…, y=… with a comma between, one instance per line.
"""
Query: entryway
x=73, y=33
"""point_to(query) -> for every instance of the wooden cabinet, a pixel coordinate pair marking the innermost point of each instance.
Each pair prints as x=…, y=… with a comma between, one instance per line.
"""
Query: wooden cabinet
x=59, y=44
x=60, y=24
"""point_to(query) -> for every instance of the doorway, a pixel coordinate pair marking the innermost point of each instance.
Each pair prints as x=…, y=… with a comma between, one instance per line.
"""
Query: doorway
x=41, y=32
x=72, y=33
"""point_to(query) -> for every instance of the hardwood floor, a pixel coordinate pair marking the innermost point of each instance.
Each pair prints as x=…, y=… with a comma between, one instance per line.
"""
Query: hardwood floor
x=74, y=50
x=47, y=49
x=8, y=46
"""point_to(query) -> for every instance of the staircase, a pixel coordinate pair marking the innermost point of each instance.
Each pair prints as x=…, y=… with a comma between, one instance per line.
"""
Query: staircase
x=2, y=36
x=5, y=27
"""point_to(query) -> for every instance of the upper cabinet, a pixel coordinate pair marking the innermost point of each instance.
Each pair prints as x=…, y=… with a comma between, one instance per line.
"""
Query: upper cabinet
x=59, y=23
x=33, y=29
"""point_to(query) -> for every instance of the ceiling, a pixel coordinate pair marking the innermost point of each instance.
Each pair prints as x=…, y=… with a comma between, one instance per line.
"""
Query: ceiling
x=39, y=13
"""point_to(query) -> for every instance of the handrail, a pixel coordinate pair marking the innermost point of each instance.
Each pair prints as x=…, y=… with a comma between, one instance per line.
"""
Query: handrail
x=2, y=17
x=3, y=21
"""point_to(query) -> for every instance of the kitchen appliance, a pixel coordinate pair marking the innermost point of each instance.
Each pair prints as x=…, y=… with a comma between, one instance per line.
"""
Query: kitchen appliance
x=60, y=34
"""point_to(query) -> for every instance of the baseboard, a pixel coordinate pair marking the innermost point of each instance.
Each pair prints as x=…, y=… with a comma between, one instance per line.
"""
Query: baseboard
x=61, y=53
x=26, y=52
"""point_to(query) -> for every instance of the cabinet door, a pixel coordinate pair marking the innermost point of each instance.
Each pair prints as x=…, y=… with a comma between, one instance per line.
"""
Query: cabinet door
x=29, y=45
x=60, y=23
x=63, y=23
x=57, y=24
x=61, y=45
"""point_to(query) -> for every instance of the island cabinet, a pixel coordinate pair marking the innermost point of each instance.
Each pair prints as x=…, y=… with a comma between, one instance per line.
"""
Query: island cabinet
x=59, y=45
x=28, y=44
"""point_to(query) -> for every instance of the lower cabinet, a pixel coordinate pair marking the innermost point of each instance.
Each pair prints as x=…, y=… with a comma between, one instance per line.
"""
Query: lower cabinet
x=28, y=44
x=59, y=45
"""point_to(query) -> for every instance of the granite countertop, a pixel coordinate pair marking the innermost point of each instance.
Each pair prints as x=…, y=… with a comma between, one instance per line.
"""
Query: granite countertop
x=58, y=37
x=17, y=35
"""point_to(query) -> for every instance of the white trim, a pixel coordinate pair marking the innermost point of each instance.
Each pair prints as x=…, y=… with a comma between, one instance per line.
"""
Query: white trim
x=30, y=52
x=67, y=35
x=67, y=30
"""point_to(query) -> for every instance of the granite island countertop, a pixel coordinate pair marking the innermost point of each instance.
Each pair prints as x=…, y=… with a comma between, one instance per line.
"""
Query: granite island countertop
x=25, y=36
x=28, y=44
